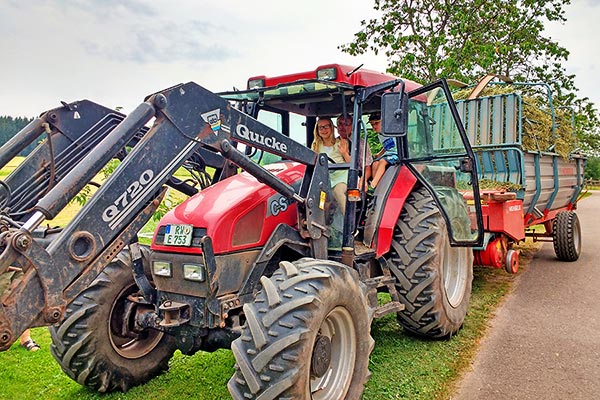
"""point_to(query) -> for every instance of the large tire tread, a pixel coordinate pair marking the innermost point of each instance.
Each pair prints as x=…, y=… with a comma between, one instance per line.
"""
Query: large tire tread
x=566, y=236
x=414, y=258
x=274, y=351
x=81, y=344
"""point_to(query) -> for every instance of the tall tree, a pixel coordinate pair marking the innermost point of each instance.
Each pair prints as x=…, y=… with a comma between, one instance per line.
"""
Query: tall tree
x=428, y=39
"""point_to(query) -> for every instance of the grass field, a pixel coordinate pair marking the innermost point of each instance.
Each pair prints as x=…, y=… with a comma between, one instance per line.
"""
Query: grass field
x=402, y=366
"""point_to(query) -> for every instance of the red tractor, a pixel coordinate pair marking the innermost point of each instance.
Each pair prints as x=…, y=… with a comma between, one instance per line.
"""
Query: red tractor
x=261, y=261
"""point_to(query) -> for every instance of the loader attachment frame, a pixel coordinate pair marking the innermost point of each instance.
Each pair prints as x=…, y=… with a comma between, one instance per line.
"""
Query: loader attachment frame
x=186, y=117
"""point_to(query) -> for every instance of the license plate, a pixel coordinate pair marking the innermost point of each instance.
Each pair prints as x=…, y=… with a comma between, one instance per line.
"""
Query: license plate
x=178, y=235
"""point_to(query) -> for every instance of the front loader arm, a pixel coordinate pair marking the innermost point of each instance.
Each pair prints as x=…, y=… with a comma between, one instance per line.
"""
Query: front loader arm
x=186, y=117
x=65, y=136
x=69, y=133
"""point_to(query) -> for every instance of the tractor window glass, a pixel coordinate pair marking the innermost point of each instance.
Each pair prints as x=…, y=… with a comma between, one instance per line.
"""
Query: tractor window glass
x=271, y=119
x=274, y=121
x=297, y=124
x=437, y=153
x=298, y=128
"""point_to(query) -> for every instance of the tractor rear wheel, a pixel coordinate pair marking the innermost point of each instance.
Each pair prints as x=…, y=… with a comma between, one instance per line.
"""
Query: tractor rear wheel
x=307, y=335
x=566, y=235
x=95, y=346
x=433, y=279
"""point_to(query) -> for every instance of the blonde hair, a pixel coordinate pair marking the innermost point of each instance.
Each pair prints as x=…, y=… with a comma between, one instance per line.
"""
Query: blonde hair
x=318, y=141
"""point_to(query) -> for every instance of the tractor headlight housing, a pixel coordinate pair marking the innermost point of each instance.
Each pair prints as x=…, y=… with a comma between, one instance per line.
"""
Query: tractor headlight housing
x=194, y=272
x=162, y=268
x=256, y=83
x=327, y=74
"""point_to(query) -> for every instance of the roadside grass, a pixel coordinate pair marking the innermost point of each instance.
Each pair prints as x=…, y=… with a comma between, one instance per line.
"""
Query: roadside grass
x=402, y=366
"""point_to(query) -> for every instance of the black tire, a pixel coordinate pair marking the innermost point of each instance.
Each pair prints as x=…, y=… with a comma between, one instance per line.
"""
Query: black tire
x=89, y=345
x=305, y=309
x=433, y=279
x=566, y=235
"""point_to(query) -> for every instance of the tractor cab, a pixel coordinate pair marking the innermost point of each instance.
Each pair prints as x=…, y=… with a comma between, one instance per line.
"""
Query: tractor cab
x=432, y=147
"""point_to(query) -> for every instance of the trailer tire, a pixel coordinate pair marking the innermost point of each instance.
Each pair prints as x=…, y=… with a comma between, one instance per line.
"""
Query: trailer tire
x=566, y=235
x=433, y=279
x=512, y=261
x=89, y=345
x=307, y=335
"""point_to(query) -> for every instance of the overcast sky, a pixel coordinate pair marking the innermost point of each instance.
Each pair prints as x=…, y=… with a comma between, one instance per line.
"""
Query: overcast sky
x=117, y=52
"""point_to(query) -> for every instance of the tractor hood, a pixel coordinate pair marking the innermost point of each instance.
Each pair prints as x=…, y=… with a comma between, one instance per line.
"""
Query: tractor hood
x=237, y=213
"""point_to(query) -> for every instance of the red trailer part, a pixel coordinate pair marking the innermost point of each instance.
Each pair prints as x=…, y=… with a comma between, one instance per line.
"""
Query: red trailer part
x=547, y=184
x=503, y=223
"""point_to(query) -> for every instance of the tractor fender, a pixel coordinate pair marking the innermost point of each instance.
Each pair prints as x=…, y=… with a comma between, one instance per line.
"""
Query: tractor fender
x=389, y=201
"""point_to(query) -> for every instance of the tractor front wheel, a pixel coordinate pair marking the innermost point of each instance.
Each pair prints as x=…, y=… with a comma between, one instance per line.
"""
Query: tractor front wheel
x=433, y=279
x=307, y=335
x=566, y=235
x=94, y=344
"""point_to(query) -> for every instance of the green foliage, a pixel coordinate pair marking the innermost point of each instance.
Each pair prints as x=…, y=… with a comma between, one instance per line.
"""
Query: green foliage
x=374, y=142
x=86, y=193
x=169, y=202
x=592, y=168
x=587, y=126
x=82, y=197
x=10, y=126
x=110, y=167
x=429, y=39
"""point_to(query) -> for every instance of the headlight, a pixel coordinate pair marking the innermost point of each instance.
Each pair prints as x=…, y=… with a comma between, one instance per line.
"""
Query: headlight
x=194, y=272
x=327, y=74
x=256, y=83
x=162, y=268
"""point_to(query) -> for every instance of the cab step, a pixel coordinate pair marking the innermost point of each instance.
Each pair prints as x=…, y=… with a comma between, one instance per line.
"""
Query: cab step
x=387, y=308
x=379, y=281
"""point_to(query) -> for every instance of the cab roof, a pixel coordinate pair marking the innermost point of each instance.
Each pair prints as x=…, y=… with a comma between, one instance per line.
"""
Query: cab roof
x=351, y=75
x=324, y=91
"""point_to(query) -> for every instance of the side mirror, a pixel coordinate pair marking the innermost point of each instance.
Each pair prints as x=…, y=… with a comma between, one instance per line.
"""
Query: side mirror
x=394, y=114
x=466, y=165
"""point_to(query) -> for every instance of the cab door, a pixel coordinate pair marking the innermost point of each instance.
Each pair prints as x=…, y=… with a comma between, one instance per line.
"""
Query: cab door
x=435, y=147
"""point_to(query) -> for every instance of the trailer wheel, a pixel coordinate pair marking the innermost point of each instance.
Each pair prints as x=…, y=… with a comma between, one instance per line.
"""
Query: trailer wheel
x=566, y=235
x=307, y=335
x=433, y=279
x=512, y=261
x=95, y=348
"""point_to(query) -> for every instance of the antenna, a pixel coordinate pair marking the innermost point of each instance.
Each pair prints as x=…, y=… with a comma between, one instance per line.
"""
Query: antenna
x=354, y=70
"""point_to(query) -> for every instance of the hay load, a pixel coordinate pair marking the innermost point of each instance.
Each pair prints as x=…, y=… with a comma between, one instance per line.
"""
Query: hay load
x=539, y=132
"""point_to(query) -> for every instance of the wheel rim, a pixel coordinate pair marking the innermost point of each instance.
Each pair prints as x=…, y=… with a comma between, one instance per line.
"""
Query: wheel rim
x=338, y=328
x=455, y=273
x=577, y=236
x=126, y=343
x=512, y=261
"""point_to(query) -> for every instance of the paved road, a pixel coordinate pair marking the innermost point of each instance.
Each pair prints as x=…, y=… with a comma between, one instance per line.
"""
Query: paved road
x=544, y=342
